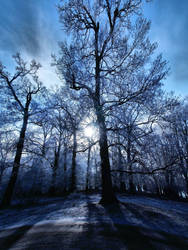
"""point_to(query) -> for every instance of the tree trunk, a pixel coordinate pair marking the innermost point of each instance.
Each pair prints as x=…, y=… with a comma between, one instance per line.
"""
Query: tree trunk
x=52, y=189
x=54, y=169
x=1, y=176
x=65, y=169
x=120, y=167
x=88, y=169
x=185, y=174
x=3, y=167
x=96, y=179
x=158, y=189
x=16, y=165
x=131, y=184
x=108, y=195
x=73, y=177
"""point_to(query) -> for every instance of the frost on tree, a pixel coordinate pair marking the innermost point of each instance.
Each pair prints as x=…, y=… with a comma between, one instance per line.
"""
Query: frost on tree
x=109, y=56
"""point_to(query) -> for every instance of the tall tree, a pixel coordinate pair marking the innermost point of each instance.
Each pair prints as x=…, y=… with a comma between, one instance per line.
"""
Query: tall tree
x=20, y=88
x=108, y=55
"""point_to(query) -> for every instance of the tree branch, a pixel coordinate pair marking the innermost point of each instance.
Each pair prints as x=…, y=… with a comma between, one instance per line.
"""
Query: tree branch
x=148, y=172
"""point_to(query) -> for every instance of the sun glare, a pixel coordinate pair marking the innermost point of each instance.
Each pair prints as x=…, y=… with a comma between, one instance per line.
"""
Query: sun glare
x=89, y=132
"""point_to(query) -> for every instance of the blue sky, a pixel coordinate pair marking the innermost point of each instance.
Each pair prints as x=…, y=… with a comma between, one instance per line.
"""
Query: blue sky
x=32, y=28
x=169, y=28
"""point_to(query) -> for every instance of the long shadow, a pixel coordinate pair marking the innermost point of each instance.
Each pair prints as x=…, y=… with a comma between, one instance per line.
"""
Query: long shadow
x=100, y=228
x=108, y=229
x=30, y=216
x=9, y=237
x=139, y=237
x=91, y=237
x=133, y=237
x=76, y=235
x=97, y=232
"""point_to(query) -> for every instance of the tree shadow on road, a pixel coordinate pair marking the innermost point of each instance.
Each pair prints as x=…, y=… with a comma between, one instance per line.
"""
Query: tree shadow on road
x=110, y=228
x=10, y=237
x=138, y=236
x=93, y=226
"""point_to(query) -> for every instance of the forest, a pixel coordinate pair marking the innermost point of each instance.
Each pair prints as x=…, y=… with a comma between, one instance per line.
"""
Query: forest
x=109, y=130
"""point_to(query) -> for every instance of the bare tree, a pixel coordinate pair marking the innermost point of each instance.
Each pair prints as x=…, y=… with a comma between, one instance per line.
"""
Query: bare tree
x=7, y=147
x=70, y=105
x=108, y=56
x=20, y=88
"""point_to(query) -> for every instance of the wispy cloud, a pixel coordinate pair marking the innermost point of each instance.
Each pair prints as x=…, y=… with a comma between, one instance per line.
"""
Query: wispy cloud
x=32, y=28
x=19, y=30
x=169, y=29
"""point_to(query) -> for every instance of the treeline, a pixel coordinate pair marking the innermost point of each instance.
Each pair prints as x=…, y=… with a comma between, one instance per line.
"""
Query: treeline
x=148, y=150
x=111, y=85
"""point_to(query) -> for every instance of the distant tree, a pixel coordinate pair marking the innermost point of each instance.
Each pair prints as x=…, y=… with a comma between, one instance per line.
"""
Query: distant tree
x=59, y=126
x=7, y=148
x=177, y=136
x=70, y=105
x=109, y=56
x=130, y=126
x=47, y=137
x=20, y=89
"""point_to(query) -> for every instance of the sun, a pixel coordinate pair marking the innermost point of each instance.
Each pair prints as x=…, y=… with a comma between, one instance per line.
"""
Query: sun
x=89, y=131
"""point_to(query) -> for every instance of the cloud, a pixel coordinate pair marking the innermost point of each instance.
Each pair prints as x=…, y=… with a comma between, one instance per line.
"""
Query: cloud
x=177, y=33
x=169, y=28
x=31, y=28
x=19, y=26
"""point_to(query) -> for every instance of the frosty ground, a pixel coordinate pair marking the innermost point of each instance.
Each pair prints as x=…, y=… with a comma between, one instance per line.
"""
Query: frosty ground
x=80, y=222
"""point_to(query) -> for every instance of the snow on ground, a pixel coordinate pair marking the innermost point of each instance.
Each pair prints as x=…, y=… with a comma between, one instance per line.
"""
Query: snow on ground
x=79, y=222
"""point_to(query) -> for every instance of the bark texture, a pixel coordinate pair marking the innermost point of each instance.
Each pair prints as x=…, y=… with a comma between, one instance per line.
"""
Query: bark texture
x=16, y=165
